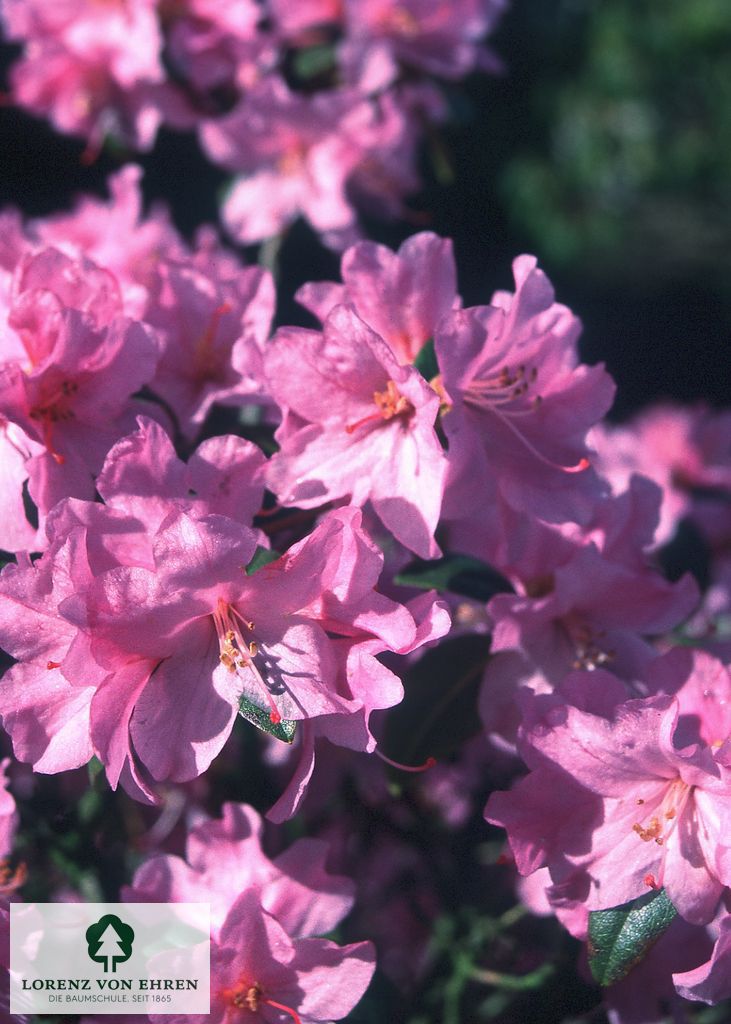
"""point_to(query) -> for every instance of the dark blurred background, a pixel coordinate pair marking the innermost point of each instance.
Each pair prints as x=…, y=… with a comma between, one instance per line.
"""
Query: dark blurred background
x=604, y=148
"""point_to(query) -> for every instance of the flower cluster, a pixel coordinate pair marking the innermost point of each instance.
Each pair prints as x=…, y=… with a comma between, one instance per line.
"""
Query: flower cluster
x=313, y=106
x=184, y=578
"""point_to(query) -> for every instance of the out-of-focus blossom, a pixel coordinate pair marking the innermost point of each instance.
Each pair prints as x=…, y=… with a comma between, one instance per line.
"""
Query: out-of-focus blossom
x=687, y=451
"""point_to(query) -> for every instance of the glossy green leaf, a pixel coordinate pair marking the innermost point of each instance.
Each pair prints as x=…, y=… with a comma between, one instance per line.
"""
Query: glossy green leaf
x=426, y=361
x=262, y=556
x=259, y=717
x=620, y=938
x=458, y=574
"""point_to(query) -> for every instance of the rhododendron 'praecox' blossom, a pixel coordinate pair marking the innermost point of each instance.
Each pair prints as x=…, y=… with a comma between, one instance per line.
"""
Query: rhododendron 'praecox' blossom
x=265, y=964
x=625, y=796
x=83, y=361
x=519, y=408
x=586, y=598
x=357, y=424
x=213, y=331
x=401, y=295
x=93, y=68
x=686, y=451
x=298, y=152
x=145, y=662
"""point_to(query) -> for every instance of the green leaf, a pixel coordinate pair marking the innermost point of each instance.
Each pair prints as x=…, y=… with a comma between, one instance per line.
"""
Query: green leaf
x=620, y=938
x=426, y=361
x=314, y=61
x=259, y=717
x=459, y=574
x=262, y=556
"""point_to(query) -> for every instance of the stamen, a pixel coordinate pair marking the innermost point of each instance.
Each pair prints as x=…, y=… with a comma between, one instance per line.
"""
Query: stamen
x=649, y=881
x=53, y=664
x=389, y=404
x=495, y=393
x=285, y=1009
x=661, y=825
x=236, y=654
x=429, y=763
x=580, y=466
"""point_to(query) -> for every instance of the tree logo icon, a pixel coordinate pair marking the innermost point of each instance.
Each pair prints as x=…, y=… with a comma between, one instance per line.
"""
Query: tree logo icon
x=109, y=942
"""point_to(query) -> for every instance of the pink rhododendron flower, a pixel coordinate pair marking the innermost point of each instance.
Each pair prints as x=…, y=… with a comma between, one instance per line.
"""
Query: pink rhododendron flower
x=224, y=858
x=519, y=407
x=359, y=424
x=401, y=295
x=91, y=67
x=142, y=482
x=626, y=795
x=297, y=152
x=264, y=964
x=166, y=632
x=213, y=331
x=686, y=451
x=84, y=360
x=585, y=599
x=258, y=971
x=440, y=37
x=115, y=234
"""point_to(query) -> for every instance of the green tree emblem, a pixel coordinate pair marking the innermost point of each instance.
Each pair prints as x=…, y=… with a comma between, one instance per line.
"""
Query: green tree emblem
x=109, y=941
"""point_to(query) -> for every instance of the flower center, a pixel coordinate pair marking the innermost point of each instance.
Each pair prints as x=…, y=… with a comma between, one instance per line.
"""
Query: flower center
x=204, y=362
x=389, y=403
x=52, y=408
x=237, y=655
x=246, y=996
x=586, y=643
x=505, y=395
x=660, y=826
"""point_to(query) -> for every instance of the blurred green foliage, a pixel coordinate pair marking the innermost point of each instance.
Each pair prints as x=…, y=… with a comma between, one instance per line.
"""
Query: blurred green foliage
x=636, y=156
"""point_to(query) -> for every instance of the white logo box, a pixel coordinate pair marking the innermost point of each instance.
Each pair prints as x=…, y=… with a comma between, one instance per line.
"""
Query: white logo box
x=121, y=958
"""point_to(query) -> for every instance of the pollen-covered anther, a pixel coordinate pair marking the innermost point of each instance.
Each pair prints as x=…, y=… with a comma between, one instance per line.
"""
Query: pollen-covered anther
x=251, y=997
x=653, y=830
x=389, y=403
x=661, y=825
x=236, y=654
x=501, y=394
